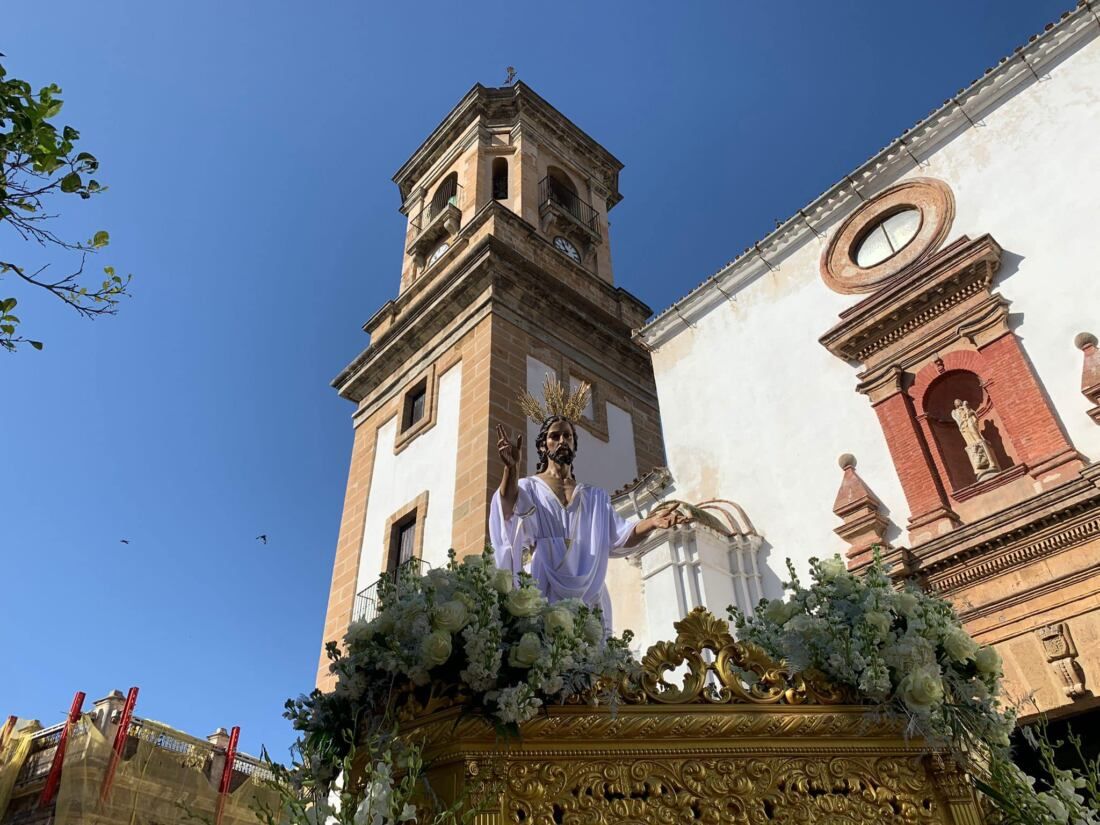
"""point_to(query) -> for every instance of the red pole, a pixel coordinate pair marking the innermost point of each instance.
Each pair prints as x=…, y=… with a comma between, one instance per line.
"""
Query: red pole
x=227, y=772
x=54, y=779
x=120, y=741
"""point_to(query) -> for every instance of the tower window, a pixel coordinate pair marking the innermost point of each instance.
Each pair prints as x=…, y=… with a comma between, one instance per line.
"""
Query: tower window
x=445, y=194
x=414, y=405
x=500, y=179
x=402, y=542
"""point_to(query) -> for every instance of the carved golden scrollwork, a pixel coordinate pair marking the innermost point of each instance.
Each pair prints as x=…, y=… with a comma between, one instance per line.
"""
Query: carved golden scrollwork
x=838, y=791
x=720, y=670
x=738, y=739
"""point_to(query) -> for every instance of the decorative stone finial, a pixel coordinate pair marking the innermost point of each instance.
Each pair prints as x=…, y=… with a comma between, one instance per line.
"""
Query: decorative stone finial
x=1090, y=372
x=1084, y=340
x=864, y=524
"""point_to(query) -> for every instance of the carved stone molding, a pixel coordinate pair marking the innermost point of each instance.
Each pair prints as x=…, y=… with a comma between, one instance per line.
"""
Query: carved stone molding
x=1063, y=518
x=1061, y=654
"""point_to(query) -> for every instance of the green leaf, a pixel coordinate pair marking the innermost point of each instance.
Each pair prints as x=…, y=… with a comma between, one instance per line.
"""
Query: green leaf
x=7, y=329
x=10, y=318
x=101, y=238
x=110, y=270
x=8, y=304
x=71, y=182
x=35, y=344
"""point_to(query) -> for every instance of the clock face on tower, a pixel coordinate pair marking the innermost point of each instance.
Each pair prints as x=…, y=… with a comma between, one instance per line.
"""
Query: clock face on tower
x=564, y=245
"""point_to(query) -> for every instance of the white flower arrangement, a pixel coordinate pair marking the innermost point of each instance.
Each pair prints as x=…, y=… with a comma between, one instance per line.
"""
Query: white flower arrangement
x=469, y=626
x=497, y=637
x=904, y=650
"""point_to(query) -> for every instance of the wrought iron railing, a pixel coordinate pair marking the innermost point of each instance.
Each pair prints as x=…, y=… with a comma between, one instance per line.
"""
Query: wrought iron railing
x=552, y=192
x=43, y=746
x=250, y=766
x=432, y=209
x=368, y=601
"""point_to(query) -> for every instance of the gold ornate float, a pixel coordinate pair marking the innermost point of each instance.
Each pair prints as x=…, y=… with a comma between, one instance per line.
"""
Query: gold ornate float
x=722, y=746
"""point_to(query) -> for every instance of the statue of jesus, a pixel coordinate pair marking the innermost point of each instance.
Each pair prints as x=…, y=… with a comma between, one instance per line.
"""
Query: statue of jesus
x=559, y=530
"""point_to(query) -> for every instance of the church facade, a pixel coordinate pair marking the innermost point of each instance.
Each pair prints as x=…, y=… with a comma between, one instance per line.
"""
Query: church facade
x=910, y=362
x=506, y=277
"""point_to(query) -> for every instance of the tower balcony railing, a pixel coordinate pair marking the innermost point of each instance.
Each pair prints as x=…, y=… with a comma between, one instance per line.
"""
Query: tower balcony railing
x=368, y=601
x=437, y=220
x=555, y=197
x=436, y=207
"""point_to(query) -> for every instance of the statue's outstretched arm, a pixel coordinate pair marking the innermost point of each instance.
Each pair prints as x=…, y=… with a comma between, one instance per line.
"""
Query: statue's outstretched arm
x=509, y=482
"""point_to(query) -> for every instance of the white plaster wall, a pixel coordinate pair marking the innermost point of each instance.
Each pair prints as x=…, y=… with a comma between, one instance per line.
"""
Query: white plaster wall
x=428, y=463
x=756, y=410
x=609, y=464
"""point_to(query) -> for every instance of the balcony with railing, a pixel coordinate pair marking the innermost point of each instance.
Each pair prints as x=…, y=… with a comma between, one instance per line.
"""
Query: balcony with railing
x=437, y=219
x=368, y=601
x=556, y=199
x=42, y=749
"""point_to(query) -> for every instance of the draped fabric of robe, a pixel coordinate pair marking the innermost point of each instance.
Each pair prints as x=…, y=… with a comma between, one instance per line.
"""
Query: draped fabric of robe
x=565, y=549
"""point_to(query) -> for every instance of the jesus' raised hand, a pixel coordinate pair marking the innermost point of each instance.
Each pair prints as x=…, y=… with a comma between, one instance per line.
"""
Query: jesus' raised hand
x=509, y=452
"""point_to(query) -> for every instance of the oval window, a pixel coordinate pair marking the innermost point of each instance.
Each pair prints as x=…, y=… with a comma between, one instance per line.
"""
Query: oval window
x=887, y=238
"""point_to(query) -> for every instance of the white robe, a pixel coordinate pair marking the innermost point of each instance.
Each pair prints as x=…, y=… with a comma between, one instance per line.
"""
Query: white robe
x=565, y=549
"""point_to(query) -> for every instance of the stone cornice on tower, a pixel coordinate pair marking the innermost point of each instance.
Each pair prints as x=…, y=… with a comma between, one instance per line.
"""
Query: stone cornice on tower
x=501, y=266
x=505, y=106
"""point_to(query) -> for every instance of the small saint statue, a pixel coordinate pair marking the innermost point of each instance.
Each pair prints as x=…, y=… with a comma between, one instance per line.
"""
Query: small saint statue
x=552, y=526
x=978, y=449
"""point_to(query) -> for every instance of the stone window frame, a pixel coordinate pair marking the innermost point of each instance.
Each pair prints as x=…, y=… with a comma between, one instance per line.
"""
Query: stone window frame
x=406, y=435
x=597, y=424
x=931, y=197
x=418, y=509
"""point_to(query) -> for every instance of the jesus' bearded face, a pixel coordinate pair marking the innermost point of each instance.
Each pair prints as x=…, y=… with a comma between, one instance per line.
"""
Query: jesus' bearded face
x=561, y=442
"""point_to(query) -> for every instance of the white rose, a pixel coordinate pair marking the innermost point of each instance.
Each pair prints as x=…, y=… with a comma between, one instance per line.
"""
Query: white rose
x=878, y=620
x=359, y=631
x=831, y=568
x=593, y=630
x=527, y=652
x=800, y=623
x=958, y=645
x=987, y=660
x=558, y=618
x=921, y=689
x=383, y=623
x=503, y=581
x=436, y=648
x=776, y=611
x=524, y=602
x=450, y=616
x=906, y=603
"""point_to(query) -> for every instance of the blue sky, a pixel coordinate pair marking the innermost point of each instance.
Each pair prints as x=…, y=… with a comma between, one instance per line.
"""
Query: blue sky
x=249, y=149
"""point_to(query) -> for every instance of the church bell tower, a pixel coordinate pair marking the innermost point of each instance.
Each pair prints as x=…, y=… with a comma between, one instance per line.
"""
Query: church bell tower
x=506, y=276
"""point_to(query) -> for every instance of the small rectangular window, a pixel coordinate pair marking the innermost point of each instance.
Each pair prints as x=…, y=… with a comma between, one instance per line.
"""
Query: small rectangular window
x=414, y=405
x=402, y=543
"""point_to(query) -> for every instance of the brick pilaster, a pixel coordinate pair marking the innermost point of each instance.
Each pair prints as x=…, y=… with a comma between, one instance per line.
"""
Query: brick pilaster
x=1037, y=434
x=930, y=513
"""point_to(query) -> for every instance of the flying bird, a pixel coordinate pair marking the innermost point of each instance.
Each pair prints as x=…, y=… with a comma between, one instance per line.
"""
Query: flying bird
x=124, y=541
x=262, y=537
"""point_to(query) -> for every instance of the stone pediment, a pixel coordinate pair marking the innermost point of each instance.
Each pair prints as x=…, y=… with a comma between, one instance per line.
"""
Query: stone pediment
x=946, y=286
